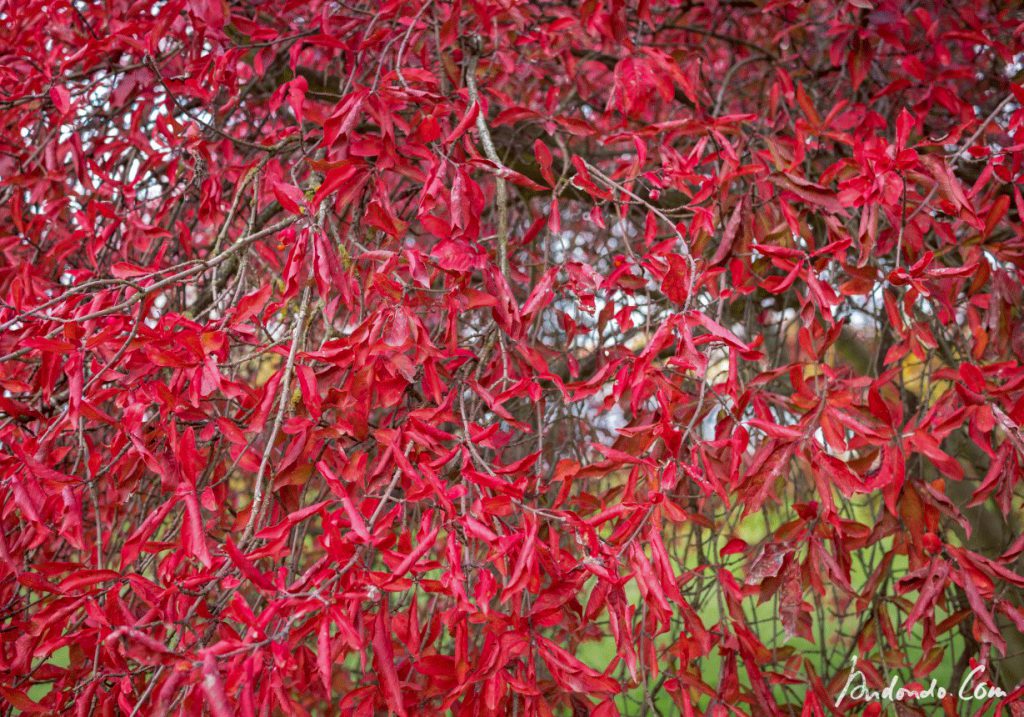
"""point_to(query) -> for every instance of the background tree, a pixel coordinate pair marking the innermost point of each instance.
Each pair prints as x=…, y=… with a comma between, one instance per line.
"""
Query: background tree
x=507, y=357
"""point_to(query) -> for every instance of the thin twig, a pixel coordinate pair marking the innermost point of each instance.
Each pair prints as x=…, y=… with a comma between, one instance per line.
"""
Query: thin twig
x=258, y=494
x=500, y=190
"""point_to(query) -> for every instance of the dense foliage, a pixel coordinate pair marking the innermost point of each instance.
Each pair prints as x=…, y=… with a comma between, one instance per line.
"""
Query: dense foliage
x=508, y=357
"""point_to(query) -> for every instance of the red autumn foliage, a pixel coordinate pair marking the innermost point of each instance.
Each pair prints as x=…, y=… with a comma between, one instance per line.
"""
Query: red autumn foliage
x=507, y=357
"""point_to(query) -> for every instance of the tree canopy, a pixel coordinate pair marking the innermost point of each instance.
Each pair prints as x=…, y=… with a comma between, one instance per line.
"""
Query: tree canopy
x=508, y=357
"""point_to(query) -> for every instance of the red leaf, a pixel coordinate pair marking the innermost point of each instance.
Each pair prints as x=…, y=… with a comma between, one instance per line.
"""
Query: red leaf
x=290, y=196
x=20, y=701
x=464, y=124
x=733, y=547
x=193, y=533
x=426, y=543
x=675, y=285
x=384, y=659
x=297, y=96
x=213, y=688
x=809, y=192
x=61, y=99
x=543, y=155
x=323, y=654
x=246, y=567
x=859, y=61
x=729, y=234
